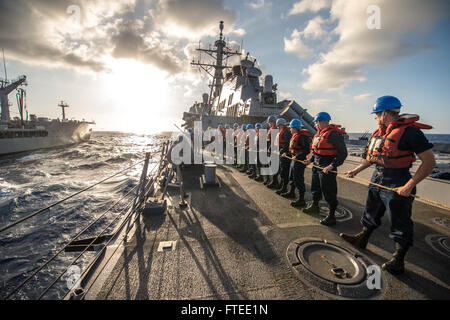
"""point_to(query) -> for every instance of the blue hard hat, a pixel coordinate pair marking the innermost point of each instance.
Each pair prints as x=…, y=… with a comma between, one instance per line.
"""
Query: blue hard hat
x=280, y=122
x=272, y=118
x=295, y=123
x=258, y=126
x=250, y=126
x=322, y=116
x=244, y=126
x=220, y=126
x=386, y=103
x=235, y=125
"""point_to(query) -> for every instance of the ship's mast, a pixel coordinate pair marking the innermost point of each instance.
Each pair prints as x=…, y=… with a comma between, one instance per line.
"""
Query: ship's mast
x=220, y=54
x=63, y=106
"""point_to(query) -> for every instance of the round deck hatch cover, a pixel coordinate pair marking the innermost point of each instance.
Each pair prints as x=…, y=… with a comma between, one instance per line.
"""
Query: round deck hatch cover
x=341, y=214
x=334, y=269
x=331, y=263
x=439, y=243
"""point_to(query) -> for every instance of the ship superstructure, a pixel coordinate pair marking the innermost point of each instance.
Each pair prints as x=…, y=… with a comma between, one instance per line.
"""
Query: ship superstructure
x=238, y=93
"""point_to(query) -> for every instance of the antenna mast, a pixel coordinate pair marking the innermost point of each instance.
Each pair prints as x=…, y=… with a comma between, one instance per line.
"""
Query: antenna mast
x=221, y=53
x=63, y=106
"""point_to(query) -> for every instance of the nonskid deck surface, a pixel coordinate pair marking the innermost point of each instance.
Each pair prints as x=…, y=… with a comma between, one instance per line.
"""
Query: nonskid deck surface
x=231, y=243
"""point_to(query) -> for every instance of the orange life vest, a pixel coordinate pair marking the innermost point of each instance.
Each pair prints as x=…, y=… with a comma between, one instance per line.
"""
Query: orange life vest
x=269, y=134
x=223, y=132
x=382, y=147
x=280, y=139
x=320, y=144
x=294, y=148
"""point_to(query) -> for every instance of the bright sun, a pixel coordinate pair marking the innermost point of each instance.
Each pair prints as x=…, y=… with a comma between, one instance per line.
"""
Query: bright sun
x=138, y=95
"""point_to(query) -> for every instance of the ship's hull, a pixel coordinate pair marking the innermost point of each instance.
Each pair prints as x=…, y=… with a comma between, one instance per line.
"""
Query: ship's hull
x=60, y=134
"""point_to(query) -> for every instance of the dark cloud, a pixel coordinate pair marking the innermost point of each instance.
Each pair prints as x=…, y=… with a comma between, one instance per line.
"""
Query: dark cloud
x=23, y=33
x=130, y=43
x=40, y=31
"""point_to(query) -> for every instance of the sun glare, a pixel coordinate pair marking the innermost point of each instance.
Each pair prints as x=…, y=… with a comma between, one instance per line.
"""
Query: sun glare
x=138, y=95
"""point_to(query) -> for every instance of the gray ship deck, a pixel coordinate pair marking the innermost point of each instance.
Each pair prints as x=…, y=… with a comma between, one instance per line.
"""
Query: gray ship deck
x=232, y=241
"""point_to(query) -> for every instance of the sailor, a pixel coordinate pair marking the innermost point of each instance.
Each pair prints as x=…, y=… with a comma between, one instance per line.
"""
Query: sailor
x=393, y=148
x=242, y=137
x=222, y=130
x=328, y=151
x=239, y=138
x=235, y=135
x=248, y=168
x=283, y=138
x=256, y=174
x=272, y=121
x=190, y=134
x=298, y=150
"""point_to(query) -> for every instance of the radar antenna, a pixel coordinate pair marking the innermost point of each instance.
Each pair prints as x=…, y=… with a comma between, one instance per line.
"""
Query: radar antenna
x=221, y=53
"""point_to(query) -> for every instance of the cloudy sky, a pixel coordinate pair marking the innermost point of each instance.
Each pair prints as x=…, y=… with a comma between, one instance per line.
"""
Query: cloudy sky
x=125, y=63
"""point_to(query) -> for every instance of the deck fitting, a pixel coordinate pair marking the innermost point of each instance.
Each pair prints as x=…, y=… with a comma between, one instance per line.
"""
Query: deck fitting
x=167, y=246
x=332, y=269
x=439, y=243
x=342, y=214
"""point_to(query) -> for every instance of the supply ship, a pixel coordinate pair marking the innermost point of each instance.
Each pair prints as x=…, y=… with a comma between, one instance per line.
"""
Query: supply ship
x=29, y=132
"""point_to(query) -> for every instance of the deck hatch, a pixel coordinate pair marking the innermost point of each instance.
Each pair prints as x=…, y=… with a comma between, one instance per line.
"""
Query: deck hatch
x=332, y=268
x=342, y=214
x=439, y=243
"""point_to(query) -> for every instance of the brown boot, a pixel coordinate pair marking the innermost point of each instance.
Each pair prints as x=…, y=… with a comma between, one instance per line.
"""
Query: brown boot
x=313, y=208
x=397, y=264
x=274, y=184
x=283, y=188
x=290, y=194
x=359, y=240
x=300, y=203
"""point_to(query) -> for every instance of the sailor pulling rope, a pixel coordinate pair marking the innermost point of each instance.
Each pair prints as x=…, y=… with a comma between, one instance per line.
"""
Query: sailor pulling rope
x=373, y=183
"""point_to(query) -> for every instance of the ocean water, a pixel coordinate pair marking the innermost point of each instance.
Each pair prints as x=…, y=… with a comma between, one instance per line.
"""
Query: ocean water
x=431, y=137
x=442, y=159
x=30, y=182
